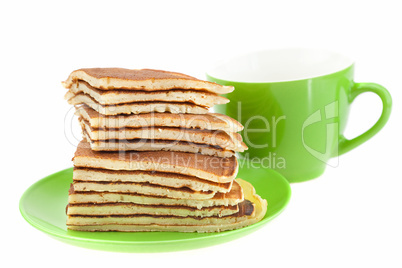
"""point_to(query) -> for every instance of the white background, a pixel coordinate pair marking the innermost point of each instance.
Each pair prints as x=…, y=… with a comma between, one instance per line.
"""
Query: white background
x=349, y=217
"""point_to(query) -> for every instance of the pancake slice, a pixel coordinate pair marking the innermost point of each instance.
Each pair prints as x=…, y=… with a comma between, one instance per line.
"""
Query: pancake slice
x=242, y=219
x=110, y=97
x=109, y=209
x=246, y=208
x=157, y=178
x=135, y=108
x=211, y=168
x=141, y=79
x=233, y=197
x=227, y=141
x=141, y=188
x=211, y=121
x=156, y=145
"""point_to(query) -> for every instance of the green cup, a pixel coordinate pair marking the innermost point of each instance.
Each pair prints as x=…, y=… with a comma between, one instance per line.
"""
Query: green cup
x=294, y=104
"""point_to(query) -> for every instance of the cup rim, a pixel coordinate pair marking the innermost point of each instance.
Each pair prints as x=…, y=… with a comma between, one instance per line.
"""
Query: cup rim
x=345, y=63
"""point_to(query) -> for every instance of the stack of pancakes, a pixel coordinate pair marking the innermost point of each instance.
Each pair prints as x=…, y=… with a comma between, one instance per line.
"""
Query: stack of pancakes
x=153, y=158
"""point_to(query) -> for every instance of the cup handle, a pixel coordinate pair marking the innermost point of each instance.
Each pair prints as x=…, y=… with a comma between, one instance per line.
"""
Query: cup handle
x=346, y=145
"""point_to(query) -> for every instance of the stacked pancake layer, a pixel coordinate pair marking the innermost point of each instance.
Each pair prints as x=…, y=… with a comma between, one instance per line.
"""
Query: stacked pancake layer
x=153, y=158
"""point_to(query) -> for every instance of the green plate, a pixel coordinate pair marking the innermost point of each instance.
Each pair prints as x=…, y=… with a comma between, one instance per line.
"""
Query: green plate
x=43, y=206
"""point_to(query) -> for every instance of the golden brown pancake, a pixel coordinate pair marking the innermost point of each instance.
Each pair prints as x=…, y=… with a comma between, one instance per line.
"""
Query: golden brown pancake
x=246, y=208
x=108, y=209
x=231, y=198
x=206, y=167
x=157, y=178
x=135, y=107
x=210, y=121
x=227, y=141
x=156, y=145
x=141, y=188
x=110, y=97
x=141, y=79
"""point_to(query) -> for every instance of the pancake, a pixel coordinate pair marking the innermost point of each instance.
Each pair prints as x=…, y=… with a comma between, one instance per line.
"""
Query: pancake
x=141, y=188
x=136, y=209
x=231, y=198
x=156, y=178
x=235, y=221
x=109, y=97
x=141, y=79
x=156, y=145
x=206, y=167
x=227, y=141
x=211, y=121
x=135, y=108
x=246, y=208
